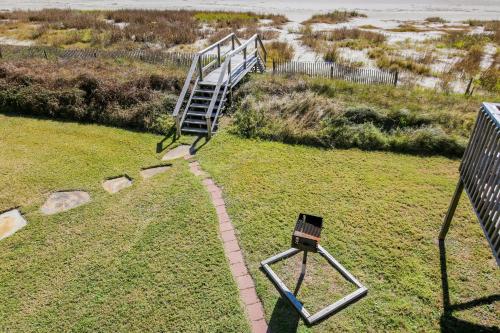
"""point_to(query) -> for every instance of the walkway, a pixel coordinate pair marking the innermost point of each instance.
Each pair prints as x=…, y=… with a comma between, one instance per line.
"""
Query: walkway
x=246, y=286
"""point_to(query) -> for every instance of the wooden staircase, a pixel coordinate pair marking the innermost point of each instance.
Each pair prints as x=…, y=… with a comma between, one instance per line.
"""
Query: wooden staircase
x=211, y=78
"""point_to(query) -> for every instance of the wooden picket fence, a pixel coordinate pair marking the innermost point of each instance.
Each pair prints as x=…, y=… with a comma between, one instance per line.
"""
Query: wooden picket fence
x=181, y=59
x=336, y=71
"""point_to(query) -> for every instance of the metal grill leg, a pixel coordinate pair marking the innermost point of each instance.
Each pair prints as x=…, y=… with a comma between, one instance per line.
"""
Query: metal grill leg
x=451, y=210
x=302, y=273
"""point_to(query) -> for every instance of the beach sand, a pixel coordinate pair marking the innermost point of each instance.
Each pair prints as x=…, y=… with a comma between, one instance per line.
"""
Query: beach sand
x=296, y=10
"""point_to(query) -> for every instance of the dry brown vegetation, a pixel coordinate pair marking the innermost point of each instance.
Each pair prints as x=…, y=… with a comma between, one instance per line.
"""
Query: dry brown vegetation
x=386, y=60
x=470, y=64
x=435, y=19
x=358, y=39
x=120, y=93
x=334, y=17
x=281, y=51
x=129, y=28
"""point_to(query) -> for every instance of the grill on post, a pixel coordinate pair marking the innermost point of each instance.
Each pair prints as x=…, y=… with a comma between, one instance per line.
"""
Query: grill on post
x=307, y=233
x=305, y=238
x=480, y=176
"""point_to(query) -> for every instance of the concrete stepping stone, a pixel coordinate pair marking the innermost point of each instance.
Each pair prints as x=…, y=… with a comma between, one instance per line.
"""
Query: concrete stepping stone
x=10, y=222
x=181, y=151
x=153, y=171
x=115, y=185
x=59, y=202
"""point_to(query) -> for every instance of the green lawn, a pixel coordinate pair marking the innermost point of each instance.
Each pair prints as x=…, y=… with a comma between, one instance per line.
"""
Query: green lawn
x=382, y=212
x=145, y=259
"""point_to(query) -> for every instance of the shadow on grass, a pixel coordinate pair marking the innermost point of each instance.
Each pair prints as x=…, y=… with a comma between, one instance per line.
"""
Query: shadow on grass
x=197, y=144
x=284, y=318
x=448, y=322
x=168, y=135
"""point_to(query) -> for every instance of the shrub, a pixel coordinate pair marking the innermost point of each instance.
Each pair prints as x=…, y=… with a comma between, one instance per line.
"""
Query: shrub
x=100, y=92
x=428, y=140
x=279, y=51
x=435, y=19
x=334, y=17
x=327, y=113
x=332, y=55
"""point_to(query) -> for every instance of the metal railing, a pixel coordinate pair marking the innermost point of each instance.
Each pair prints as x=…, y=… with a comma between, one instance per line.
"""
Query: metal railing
x=239, y=71
x=480, y=177
x=197, y=66
x=199, y=69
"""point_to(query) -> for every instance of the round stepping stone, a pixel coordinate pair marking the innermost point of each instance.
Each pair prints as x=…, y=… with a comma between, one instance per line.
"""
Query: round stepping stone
x=62, y=201
x=151, y=172
x=181, y=151
x=10, y=222
x=115, y=185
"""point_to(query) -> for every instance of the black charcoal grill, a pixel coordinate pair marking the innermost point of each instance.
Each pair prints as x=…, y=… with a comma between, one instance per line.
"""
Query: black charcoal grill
x=307, y=233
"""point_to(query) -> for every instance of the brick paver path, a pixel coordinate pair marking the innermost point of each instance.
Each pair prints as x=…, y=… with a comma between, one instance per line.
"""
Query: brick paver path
x=246, y=286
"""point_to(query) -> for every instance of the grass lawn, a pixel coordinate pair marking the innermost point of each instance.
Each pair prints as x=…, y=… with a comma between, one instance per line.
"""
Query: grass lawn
x=145, y=259
x=382, y=212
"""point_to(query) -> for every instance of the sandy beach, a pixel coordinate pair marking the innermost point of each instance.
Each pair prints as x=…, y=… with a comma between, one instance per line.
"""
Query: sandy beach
x=296, y=10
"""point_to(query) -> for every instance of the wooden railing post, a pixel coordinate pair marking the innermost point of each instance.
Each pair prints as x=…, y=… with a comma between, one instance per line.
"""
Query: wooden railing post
x=396, y=75
x=232, y=42
x=218, y=55
x=331, y=72
x=274, y=67
x=209, y=126
x=245, y=58
x=200, y=68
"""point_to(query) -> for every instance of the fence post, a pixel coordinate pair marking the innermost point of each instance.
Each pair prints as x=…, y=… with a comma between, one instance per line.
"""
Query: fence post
x=396, y=75
x=331, y=72
x=467, y=91
x=274, y=67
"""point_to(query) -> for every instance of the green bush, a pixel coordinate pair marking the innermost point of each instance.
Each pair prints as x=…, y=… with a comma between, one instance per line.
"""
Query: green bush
x=318, y=112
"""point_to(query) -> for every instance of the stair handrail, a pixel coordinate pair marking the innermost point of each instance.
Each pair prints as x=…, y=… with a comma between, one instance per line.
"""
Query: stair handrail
x=198, y=63
x=227, y=67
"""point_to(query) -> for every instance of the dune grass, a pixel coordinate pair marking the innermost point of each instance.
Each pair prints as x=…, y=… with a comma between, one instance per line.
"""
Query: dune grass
x=337, y=16
x=125, y=28
x=382, y=214
x=145, y=259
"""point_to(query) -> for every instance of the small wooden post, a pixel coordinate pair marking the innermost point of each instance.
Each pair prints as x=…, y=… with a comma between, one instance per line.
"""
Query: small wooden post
x=232, y=42
x=451, y=210
x=245, y=58
x=45, y=54
x=396, y=75
x=331, y=72
x=218, y=55
x=274, y=67
x=467, y=91
x=200, y=69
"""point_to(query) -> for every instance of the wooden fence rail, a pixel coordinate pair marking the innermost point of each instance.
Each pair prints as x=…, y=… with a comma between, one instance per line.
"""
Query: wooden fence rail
x=336, y=71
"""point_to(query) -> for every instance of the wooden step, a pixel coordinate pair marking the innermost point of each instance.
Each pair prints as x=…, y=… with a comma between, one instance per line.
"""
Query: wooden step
x=205, y=91
x=202, y=98
x=198, y=113
x=195, y=121
x=202, y=106
x=195, y=130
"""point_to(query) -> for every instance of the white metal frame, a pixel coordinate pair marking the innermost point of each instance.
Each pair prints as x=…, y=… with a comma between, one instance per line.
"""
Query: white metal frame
x=331, y=309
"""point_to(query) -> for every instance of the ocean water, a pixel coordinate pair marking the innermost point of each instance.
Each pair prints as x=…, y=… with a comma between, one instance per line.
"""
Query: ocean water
x=453, y=10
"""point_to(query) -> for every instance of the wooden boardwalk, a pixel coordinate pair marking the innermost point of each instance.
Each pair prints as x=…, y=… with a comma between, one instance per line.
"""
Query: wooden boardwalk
x=236, y=62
